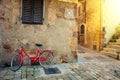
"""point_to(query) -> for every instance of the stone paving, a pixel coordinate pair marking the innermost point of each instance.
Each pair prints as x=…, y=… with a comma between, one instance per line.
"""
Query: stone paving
x=89, y=67
x=73, y=71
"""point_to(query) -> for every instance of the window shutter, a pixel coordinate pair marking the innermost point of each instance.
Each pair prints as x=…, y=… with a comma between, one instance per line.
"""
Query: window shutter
x=27, y=11
x=32, y=11
x=38, y=11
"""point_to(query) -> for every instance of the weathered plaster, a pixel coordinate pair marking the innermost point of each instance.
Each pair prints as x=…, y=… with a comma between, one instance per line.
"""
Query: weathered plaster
x=55, y=34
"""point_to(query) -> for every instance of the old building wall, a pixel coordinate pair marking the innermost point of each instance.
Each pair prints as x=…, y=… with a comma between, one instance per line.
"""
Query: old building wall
x=58, y=33
x=93, y=24
x=81, y=20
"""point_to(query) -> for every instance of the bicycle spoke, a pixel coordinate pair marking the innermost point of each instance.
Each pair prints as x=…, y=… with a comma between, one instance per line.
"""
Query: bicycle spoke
x=47, y=61
x=16, y=62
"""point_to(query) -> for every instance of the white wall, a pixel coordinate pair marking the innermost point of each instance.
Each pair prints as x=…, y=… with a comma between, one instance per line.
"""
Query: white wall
x=110, y=16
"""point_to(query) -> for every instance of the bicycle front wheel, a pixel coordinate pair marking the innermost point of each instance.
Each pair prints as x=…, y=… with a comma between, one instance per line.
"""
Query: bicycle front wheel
x=46, y=59
x=16, y=62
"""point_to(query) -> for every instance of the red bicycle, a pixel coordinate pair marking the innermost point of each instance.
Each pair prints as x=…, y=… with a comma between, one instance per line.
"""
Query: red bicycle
x=43, y=57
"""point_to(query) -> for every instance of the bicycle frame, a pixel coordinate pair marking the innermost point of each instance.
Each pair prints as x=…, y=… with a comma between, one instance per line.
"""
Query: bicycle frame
x=36, y=57
x=33, y=59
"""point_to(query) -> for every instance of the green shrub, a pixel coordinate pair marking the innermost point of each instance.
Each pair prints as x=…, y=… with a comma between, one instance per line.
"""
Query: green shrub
x=113, y=40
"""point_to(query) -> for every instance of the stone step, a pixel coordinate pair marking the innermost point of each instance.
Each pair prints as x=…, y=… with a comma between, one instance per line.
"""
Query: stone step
x=114, y=56
x=106, y=52
x=110, y=50
x=118, y=40
x=114, y=46
x=111, y=54
x=114, y=43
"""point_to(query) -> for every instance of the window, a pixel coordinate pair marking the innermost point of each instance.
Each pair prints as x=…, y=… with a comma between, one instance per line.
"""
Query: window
x=32, y=11
x=79, y=11
x=94, y=47
x=82, y=29
x=0, y=1
x=84, y=6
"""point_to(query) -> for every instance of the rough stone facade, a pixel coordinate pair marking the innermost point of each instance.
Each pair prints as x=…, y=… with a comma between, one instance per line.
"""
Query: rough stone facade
x=93, y=24
x=89, y=17
x=81, y=20
x=58, y=33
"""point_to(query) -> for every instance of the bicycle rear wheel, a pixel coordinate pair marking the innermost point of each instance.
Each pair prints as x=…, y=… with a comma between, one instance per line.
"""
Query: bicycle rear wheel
x=46, y=59
x=16, y=62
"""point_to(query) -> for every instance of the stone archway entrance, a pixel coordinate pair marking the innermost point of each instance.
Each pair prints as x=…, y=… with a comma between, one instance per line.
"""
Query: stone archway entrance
x=81, y=35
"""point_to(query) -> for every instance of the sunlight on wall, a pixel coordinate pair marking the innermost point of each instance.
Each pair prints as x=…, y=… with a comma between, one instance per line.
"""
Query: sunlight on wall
x=110, y=16
x=71, y=1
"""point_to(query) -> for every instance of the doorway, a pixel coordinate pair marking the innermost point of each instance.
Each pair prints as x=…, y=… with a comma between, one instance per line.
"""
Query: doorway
x=81, y=35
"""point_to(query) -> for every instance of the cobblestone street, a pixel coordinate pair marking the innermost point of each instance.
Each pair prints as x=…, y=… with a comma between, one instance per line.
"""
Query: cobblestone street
x=74, y=71
x=89, y=67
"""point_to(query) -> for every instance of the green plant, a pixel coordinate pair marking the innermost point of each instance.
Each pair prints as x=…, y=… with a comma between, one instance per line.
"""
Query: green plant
x=113, y=40
x=116, y=35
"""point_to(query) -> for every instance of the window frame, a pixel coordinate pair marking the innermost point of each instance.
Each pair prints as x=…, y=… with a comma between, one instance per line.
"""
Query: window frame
x=82, y=29
x=1, y=1
x=33, y=9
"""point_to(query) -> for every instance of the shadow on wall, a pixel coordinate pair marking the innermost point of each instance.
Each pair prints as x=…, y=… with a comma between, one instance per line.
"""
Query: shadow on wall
x=6, y=51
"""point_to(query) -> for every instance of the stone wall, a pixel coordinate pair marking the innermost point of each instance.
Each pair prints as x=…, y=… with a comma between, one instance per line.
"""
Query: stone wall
x=81, y=20
x=93, y=24
x=58, y=33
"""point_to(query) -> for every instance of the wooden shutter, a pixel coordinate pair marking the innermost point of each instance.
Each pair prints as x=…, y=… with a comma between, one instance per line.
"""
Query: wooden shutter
x=38, y=11
x=27, y=12
x=0, y=1
x=32, y=11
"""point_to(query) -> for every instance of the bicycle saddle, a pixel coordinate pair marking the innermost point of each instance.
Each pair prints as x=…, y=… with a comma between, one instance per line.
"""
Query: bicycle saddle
x=38, y=45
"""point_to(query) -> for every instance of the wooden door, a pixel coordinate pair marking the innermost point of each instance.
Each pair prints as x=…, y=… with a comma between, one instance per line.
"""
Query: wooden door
x=81, y=35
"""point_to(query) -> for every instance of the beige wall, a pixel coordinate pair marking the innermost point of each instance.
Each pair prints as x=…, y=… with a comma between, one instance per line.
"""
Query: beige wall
x=71, y=1
x=93, y=23
x=59, y=32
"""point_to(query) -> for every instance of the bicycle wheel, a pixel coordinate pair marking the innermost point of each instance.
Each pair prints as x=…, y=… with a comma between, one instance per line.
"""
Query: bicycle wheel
x=46, y=59
x=16, y=62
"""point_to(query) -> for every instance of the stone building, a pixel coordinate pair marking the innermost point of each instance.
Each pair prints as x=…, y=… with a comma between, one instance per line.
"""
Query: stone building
x=93, y=25
x=60, y=26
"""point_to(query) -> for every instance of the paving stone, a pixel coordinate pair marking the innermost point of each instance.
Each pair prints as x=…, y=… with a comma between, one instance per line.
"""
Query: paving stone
x=52, y=78
x=8, y=77
x=2, y=73
x=1, y=78
x=65, y=77
x=71, y=76
x=39, y=78
x=18, y=75
x=23, y=75
x=30, y=77
x=36, y=72
x=60, y=79
x=29, y=74
x=46, y=78
x=17, y=79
